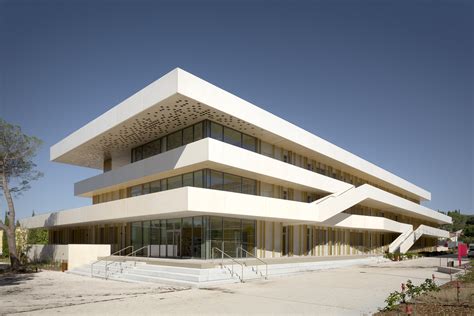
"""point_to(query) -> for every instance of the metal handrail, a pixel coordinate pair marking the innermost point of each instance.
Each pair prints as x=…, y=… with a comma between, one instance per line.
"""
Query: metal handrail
x=134, y=253
x=106, y=259
x=253, y=256
x=232, y=265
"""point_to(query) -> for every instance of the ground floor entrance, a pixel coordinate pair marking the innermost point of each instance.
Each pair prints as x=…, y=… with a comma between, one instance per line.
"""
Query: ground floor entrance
x=194, y=237
x=201, y=237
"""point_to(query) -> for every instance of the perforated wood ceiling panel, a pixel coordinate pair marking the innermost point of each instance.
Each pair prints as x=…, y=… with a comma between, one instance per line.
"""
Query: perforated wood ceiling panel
x=168, y=116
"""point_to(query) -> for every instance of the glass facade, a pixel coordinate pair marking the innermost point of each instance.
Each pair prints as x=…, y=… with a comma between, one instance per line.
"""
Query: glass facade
x=194, y=237
x=206, y=178
x=194, y=133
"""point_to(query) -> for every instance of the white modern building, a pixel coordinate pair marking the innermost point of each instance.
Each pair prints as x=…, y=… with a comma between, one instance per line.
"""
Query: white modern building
x=189, y=168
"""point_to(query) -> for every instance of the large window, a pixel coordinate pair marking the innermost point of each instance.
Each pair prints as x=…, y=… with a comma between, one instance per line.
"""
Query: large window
x=232, y=234
x=232, y=137
x=155, y=186
x=199, y=179
x=136, y=190
x=198, y=131
x=175, y=182
x=188, y=180
x=188, y=135
x=206, y=178
x=194, y=133
x=151, y=149
x=232, y=183
x=175, y=140
x=216, y=180
x=194, y=237
x=249, y=142
x=216, y=131
x=249, y=186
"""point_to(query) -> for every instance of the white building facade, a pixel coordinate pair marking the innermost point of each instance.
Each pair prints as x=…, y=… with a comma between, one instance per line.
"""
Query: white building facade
x=189, y=168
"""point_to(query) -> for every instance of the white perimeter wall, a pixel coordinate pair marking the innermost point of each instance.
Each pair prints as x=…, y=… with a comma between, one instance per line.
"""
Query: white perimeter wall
x=75, y=255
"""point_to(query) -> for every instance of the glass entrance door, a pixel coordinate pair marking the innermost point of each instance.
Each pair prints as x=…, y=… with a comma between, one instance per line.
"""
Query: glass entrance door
x=232, y=236
x=173, y=232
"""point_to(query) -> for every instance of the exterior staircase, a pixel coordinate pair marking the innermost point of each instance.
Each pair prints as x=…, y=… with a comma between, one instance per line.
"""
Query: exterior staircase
x=132, y=271
x=420, y=231
x=126, y=270
x=395, y=245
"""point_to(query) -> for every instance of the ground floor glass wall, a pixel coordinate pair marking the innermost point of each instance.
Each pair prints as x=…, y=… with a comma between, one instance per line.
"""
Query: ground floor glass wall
x=194, y=237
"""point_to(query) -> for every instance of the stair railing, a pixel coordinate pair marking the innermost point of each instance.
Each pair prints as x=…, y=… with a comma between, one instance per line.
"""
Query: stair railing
x=242, y=250
x=233, y=260
x=134, y=254
x=119, y=252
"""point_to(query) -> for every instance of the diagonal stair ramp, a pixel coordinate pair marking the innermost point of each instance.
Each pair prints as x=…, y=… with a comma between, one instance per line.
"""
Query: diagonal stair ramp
x=420, y=231
x=329, y=209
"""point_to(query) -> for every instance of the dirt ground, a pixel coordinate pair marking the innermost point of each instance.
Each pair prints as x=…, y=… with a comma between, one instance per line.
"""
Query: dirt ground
x=46, y=290
x=448, y=301
x=356, y=290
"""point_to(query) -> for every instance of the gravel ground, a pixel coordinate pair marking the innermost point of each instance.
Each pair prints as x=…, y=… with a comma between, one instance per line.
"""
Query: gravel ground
x=357, y=290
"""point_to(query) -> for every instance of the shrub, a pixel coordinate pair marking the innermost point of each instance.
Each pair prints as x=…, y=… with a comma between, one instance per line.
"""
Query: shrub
x=412, y=292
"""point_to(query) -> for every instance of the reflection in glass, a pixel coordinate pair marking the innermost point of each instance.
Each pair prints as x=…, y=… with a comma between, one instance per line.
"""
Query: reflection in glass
x=216, y=180
x=188, y=135
x=231, y=236
x=198, y=131
x=216, y=131
x=175, y=182
x=151, y=149
x=175, y=140
x=232, y=183
x=137, y=235
x=193, y=236
x=249, y=186
x=249, y=142
x=188, y=180
x=186, y=237
x=198, y=179
x=232, y=137
x=248, y=236
x=146, y=188
x=155, y=238
x=163, y=238
x=136, y=190
x=198, y=232
x=146, y=238
x=155, y=186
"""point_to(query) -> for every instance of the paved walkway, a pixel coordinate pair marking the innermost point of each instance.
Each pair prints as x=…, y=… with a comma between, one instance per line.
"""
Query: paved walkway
x=357, y=290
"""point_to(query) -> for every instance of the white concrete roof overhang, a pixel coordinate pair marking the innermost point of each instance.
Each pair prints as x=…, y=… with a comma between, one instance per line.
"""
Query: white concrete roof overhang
x=179, y=99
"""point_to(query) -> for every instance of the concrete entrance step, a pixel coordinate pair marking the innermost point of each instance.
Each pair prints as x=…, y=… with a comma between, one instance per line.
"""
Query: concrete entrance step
x=130, y=271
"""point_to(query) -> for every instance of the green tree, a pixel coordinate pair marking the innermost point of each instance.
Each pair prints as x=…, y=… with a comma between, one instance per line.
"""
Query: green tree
x=459, y=221
x=37, y=236
x=17, y=170
x=4, y=241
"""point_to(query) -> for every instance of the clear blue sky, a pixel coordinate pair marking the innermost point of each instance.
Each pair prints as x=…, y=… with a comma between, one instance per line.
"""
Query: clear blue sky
x=390, y=81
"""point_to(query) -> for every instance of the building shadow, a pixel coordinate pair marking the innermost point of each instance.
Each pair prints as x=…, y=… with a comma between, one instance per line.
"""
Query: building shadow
x=9, y=279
